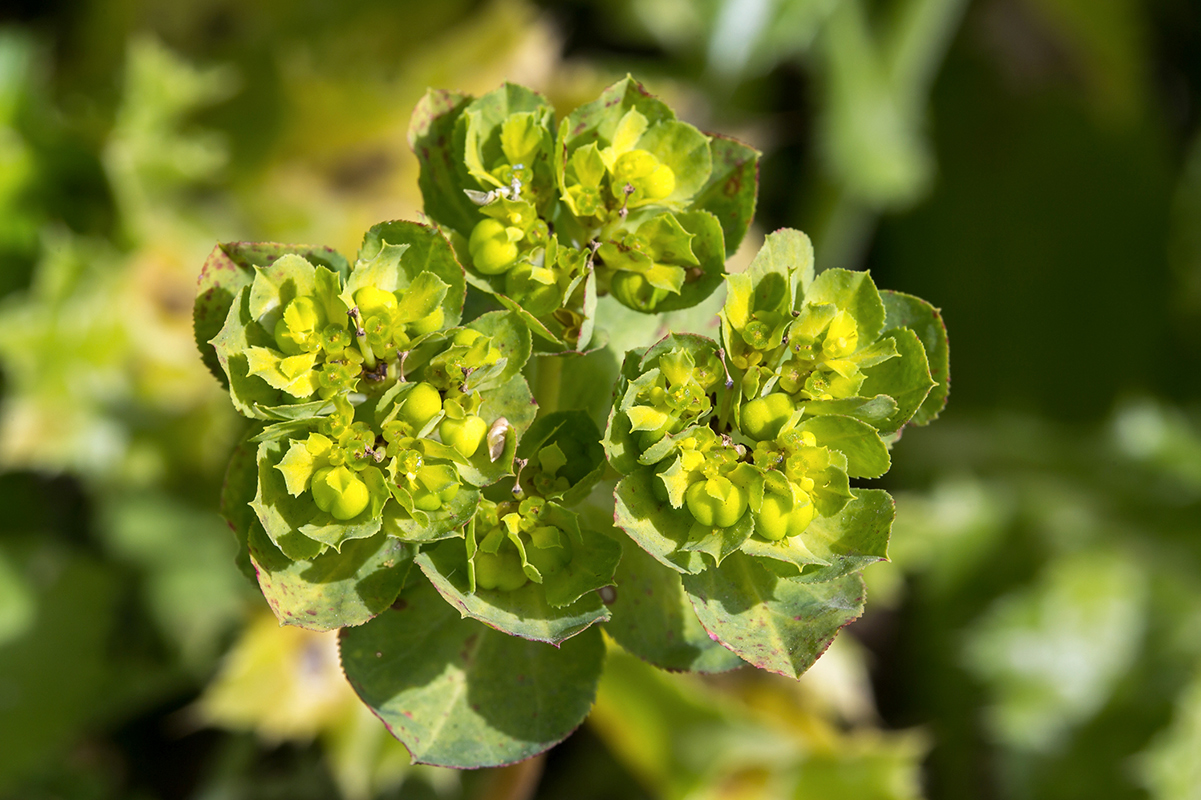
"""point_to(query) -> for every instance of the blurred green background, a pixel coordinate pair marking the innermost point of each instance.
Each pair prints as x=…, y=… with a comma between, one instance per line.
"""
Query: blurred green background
x=1032, y=167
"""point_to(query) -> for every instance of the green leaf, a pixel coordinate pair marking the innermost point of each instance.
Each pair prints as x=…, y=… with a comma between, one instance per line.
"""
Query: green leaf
x=597, y=121
x=709, y=250
x=334, y=589
x=906, y=379
x=511, y=337
x=654, y=620
x=872, y=410
x=432, y=526
x=785, y=252
x=230, y=267
x=731, y=190
x=431, y=135
x=594, y=559
x=853, y=292
x=620, y=446
x=777, y=624
x=426, y=250
x=685, y=150
x=237, y=492
x=479, y=138
x=907, y=311
x=867, y=455
x=524, y=612
x=1092, y=604
x=835, y=546
x=658, y=528
x=279, y=283
x=251, y=396
x=459, y=694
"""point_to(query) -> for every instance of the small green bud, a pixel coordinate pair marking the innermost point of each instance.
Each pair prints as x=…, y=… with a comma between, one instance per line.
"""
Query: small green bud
x=764, y=417
x=493, y=249
x=534, y=296
x=635, y=291
x=716, y=502
x=549, y=550
x=464, y=435
x=334, y=339
x=435, y=486
x=340, y=492
x=429, y=323
x=421, y=404
x=500, y=571
x=372, y=301
x=781, y=516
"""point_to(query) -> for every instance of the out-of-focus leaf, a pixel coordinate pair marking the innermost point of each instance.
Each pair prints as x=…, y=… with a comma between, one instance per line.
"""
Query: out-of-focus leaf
x=1052, y=653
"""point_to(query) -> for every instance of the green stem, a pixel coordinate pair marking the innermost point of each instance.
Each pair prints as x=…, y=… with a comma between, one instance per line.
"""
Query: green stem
x=548, y=377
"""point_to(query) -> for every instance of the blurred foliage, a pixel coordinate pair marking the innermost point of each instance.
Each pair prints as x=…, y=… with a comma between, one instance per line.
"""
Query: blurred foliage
x=1031, y=166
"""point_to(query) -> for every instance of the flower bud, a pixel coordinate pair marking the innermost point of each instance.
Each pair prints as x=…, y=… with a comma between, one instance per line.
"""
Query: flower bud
x=763, y=418
x=421, y=404
x=464, y=435
x=492, y=249
x=780, y=515
x=534, y=296
x=340, y=492
x=716, y=502
x=635, y=291
x=372, y=301
x=500, y=571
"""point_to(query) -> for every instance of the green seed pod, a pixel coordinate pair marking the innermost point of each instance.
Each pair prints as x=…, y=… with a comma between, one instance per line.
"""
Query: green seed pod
x=659, y=184
x=429, y=323
x=780, y=515
x=716, y=502
x=464, y=435
x=466, y=336
x=340, y=492
x=436, y=485
x=763, y=418
x=372, y=301
x=632, y=166
x=421, y=404
x=635, y=291
x=493, y=249
x=500, y=571
x=549, y=550
x=534, y=296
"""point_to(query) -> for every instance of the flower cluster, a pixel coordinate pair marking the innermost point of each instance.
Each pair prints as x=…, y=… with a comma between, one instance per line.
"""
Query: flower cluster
x=617, y=198
x=399, y=482
x=745, y=446
x=377, y=412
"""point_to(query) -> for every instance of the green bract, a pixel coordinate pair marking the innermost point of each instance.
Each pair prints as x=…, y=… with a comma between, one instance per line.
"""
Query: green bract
x=388, y=431
x=619, y=197
x=745, y=453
